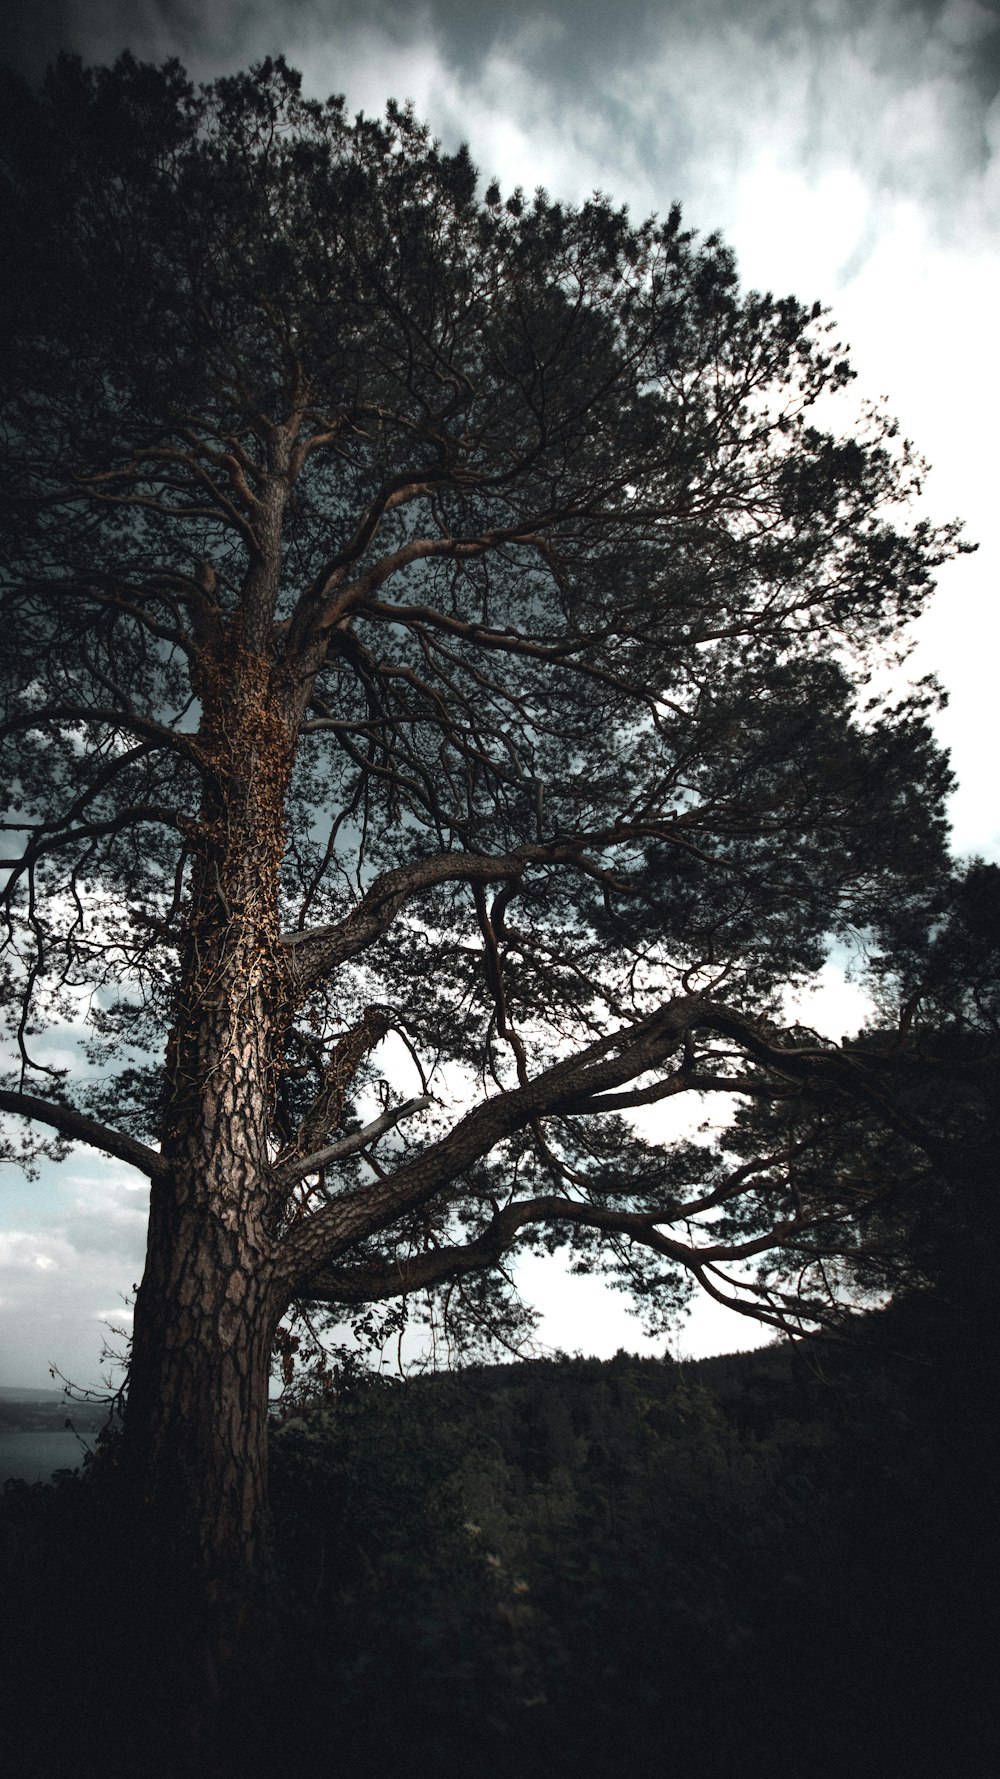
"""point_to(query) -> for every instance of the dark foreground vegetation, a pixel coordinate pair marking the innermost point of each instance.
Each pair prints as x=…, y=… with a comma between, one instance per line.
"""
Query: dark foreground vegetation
x=775, y=1562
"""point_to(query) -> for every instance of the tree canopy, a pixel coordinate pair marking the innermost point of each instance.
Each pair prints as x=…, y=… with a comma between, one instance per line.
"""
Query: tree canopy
x=913, y=1139
x=437, y=716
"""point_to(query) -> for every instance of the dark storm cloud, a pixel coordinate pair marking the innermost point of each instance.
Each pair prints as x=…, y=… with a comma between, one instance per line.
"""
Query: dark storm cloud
x=579, y=41
x=903, y=90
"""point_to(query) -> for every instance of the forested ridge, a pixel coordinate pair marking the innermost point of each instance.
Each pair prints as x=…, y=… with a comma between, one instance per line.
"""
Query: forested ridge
x=773, y=1561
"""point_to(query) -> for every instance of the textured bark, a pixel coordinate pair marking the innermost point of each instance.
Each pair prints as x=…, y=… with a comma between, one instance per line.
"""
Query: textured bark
x=207, y=1311
x=197, y=1417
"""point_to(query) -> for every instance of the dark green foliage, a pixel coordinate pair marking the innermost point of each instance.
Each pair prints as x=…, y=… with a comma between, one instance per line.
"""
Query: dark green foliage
x=576, y=1566
x=910, y=1130
x=750, y=1552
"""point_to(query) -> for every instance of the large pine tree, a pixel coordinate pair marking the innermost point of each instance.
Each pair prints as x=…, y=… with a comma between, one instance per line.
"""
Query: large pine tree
x=436, y=639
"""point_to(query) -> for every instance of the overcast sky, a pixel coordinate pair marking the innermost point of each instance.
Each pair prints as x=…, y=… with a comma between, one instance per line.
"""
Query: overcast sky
x=847, y=149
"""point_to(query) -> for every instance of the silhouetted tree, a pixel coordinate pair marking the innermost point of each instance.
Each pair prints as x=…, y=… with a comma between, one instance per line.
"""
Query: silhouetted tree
x=913, y=1138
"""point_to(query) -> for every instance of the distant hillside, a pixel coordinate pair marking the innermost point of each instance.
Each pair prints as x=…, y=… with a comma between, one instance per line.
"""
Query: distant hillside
x=47, y=1411
x=758, y=1564
x=709, y=1560
x=9, y=1393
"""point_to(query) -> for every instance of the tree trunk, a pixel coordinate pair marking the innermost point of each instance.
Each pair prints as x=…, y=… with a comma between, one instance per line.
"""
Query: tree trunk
x=198, y=1394
x=206, y=1312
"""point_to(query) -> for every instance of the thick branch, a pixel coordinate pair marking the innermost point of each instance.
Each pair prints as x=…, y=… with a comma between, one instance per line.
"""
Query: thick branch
x=319, y=950
x=419, y=1272
x=372, y=1208
x=53, y=842
x=316, y=951
x=576, y=1086
x=298, y=1167
x=326, y=1111
x=432, y=1266
x=79, y=1128
x=174, y=740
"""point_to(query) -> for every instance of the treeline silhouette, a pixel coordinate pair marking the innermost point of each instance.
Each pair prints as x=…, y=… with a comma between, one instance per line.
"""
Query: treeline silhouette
x=771, y=1562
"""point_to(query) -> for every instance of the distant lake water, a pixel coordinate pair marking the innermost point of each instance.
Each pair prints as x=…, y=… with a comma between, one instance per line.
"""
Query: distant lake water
x=35, y=1456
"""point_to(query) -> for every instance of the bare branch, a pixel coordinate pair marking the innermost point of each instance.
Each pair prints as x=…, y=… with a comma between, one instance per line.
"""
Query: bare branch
x=139, y=814
x=573, y=1087
x=432, y=1266
x=318, y=950
x=173, y=740
x=78, y=1127
x=291, y=1172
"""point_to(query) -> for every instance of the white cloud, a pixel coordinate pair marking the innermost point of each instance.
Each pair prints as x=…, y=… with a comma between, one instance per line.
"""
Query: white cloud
x=84, y=1252
x=579, y=1312
x=103, y=1209
x=582, y=1314
x=30, y=1251
x=830, y=1004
